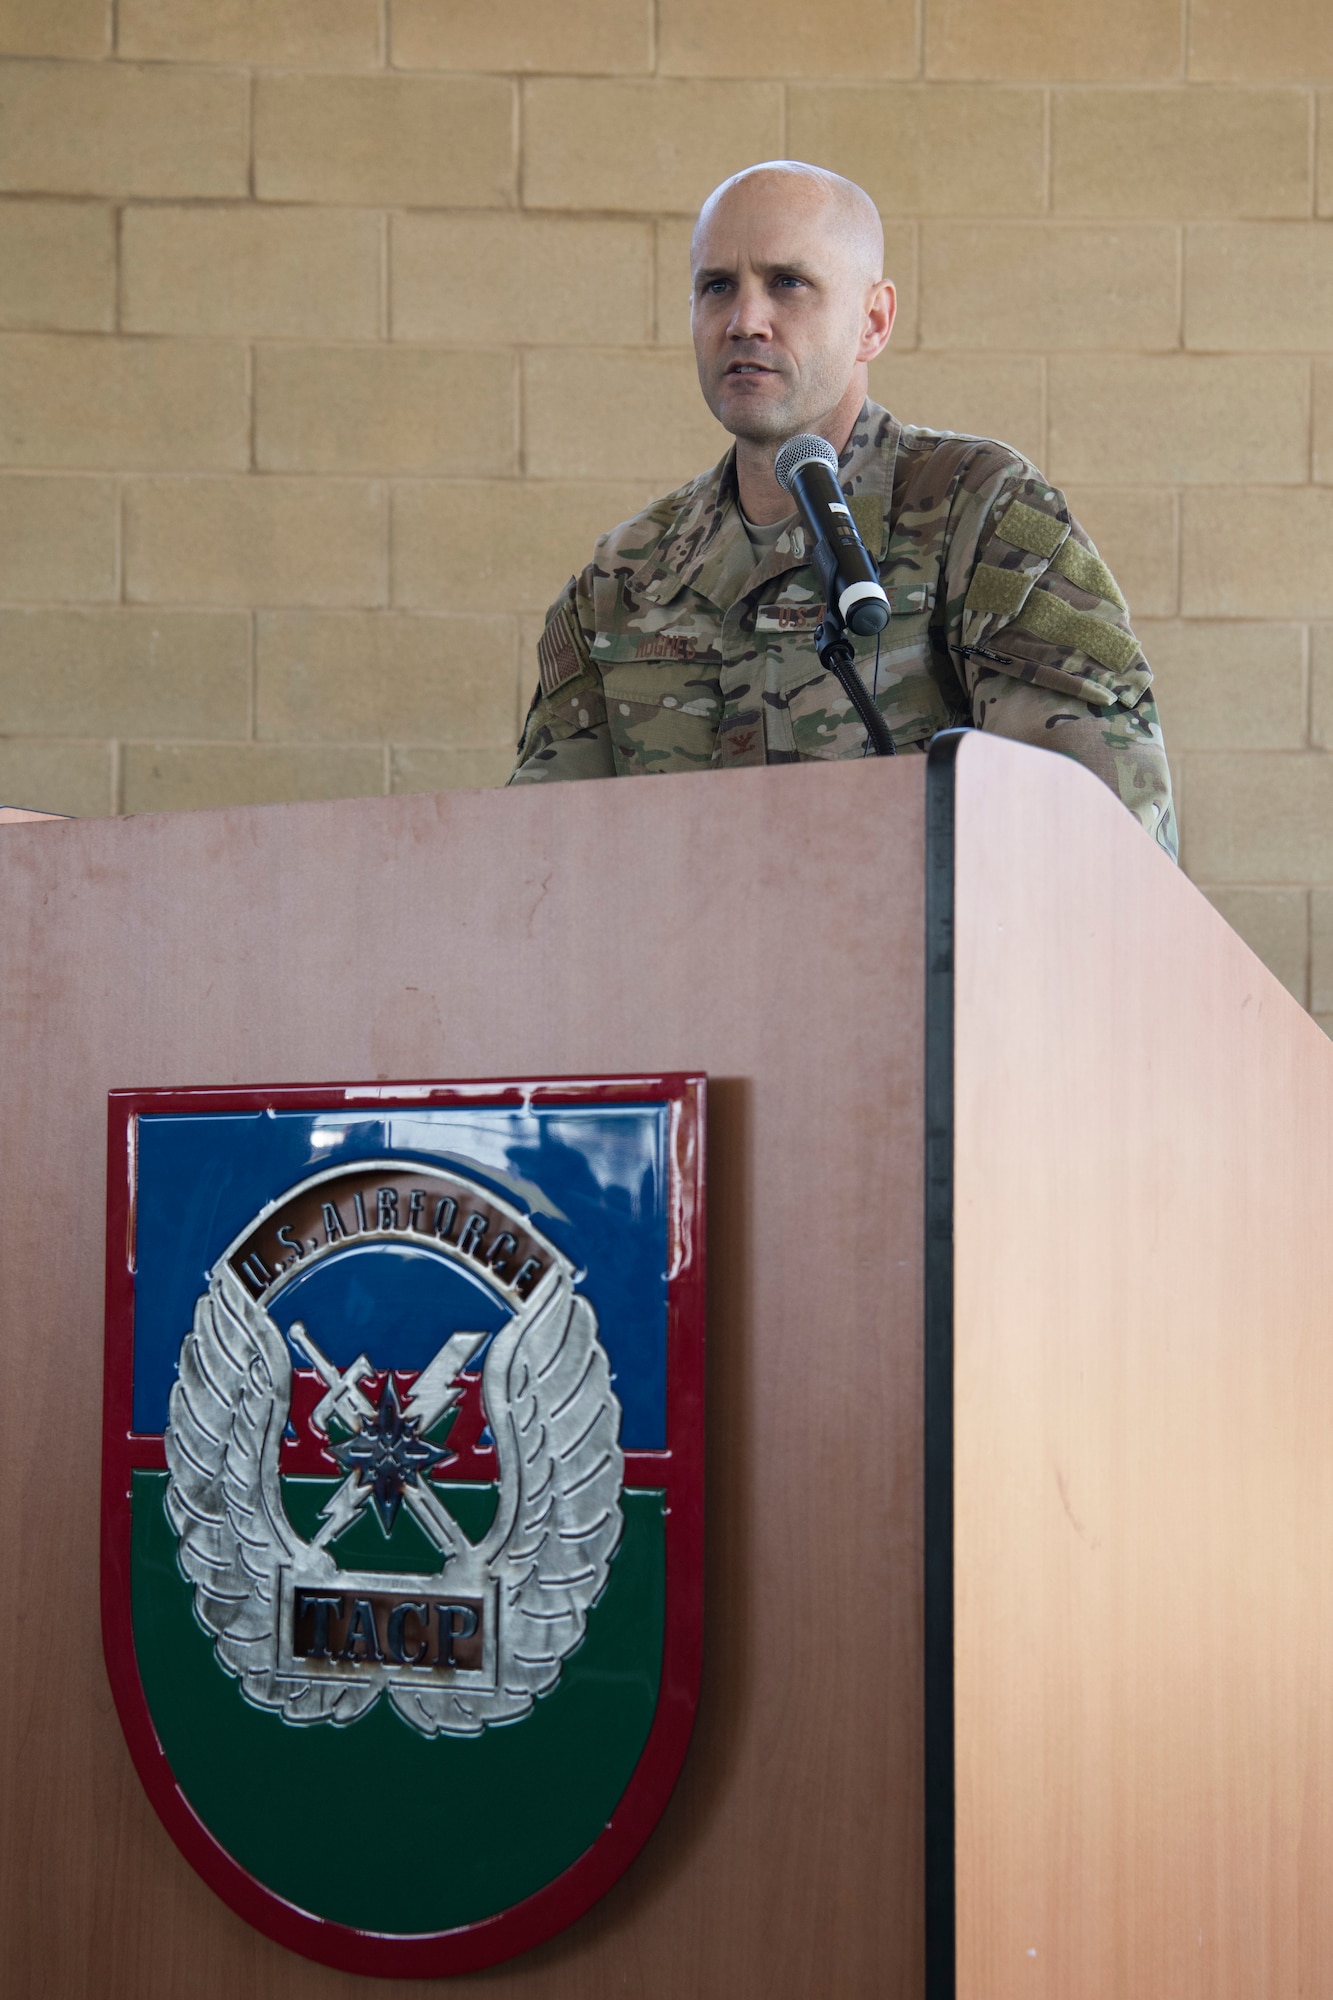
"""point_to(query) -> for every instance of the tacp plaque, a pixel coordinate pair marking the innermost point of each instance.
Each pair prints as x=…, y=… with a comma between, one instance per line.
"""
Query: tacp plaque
x=402, y=1516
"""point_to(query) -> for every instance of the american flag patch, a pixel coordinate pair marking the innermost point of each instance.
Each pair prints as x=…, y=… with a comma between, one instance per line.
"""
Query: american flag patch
x=557, y=655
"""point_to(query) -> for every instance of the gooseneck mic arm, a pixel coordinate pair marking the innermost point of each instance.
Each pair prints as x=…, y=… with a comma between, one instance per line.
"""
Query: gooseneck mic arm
x=807, y=467
x=836, y=657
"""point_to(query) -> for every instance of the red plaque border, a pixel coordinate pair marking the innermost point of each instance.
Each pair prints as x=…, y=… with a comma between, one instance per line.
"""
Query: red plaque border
x=679, y=1470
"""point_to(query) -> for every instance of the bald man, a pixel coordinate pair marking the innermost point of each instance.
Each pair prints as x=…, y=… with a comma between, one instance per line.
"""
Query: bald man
x=687, y=643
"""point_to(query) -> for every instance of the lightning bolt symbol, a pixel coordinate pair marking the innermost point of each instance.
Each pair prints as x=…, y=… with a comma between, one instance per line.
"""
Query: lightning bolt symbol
x=339, y=1512
x=431, y=1394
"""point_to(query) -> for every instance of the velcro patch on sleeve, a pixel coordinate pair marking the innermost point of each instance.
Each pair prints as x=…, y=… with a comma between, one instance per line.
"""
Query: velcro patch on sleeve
x=1026, y=528
x=868, y=514
x=1050, y=618
x=558, y=657
x=1087, y=571
x=994, y=589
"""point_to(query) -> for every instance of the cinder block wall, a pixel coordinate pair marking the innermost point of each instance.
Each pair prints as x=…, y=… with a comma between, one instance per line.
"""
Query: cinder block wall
x=333, y=330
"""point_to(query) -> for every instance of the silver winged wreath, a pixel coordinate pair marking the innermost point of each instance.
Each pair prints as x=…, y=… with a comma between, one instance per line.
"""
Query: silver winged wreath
x=543, y=1563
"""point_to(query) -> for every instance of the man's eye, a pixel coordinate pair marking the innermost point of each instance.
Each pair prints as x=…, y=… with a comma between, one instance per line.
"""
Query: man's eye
x=713, y=287
x=788, y=278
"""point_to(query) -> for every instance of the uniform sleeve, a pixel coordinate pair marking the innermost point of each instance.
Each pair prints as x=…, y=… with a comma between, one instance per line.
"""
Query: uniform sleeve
x=1043, y=644
x=565, y=735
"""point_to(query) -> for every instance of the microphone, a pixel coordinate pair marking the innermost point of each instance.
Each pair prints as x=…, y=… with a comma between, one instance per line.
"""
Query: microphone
x=807, y=468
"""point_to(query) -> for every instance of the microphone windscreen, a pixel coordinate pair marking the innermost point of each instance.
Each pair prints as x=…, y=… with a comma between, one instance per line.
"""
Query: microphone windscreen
x=807, y=449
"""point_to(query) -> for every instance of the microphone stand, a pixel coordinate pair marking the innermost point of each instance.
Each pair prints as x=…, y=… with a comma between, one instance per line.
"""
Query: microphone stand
x=838, y=657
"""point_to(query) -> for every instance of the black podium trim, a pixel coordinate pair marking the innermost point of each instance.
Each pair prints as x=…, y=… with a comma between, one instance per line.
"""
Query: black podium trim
x=941, y=1955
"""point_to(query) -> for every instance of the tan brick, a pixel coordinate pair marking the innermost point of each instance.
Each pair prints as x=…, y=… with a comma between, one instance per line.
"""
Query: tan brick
x=179, y=777
x=118, y=129
x=1227, y=686
x=635, y=146
x=1259, y=816
x=787, y=38
x=1321, y=687
x=673, y=280
x=1136, y=532
x=1099, y=41
x=475, y=279
x=595, y=415
x=373, y=677
x=985, y=394
x=1178, y=153
x=57, y=538
x=251, y=270
x=125, y=672
x=57, y=265
x=255, y=541
x=55, y=27
x=1039, y=285
x=1321, y=955
x=505, y=545
x=901, y=265
x=1185, y=418
x=384, y=409
x=1275, y=924
x=1322, y=429
x=589, y=37
x=925, y=149
x=1259, y=285
x=59, y=777
x=302, y=34
x=477, y=770
x=400, y=139
x=1237, y=41
x=1262, y=553
x=1324, y=157
x=81, y=400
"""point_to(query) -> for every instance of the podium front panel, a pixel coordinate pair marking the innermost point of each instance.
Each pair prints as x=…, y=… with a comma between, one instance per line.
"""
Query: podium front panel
x=765, y=927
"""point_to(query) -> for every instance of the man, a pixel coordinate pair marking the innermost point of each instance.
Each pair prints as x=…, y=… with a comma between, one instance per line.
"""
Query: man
x=688, y=641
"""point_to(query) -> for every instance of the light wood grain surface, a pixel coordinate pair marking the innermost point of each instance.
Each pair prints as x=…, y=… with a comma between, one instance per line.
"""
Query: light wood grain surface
x=765, y=927
x=1144, y=1422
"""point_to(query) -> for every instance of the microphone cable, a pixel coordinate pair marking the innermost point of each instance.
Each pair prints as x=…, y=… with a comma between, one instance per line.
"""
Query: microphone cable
x=874, y=696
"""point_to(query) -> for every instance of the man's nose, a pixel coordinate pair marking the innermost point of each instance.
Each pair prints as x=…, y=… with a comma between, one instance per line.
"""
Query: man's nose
x=749, y=314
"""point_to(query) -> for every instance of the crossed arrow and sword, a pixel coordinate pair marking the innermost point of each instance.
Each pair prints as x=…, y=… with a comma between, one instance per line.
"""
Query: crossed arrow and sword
x=434, y=1393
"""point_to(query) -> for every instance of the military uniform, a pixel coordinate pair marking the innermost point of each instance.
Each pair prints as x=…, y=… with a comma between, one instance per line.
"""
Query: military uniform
x=677, y=650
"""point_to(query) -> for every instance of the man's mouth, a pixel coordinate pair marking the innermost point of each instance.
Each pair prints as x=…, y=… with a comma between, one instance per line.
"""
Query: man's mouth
x=749, y=368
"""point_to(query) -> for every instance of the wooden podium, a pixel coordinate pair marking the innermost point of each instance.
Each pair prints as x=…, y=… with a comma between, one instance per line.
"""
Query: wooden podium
x=1019, y=1644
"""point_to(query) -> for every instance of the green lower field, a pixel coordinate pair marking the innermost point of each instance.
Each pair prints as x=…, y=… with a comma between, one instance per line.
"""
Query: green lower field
x=374, y=1825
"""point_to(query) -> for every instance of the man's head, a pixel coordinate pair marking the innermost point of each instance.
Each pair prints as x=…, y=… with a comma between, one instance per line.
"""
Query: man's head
x=789, y=302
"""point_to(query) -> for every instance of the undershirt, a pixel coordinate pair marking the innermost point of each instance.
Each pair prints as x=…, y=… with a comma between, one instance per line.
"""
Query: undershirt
x=761, y=540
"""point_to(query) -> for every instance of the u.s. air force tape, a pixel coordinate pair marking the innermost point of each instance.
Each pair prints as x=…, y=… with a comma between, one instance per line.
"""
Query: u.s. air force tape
x=557, y=656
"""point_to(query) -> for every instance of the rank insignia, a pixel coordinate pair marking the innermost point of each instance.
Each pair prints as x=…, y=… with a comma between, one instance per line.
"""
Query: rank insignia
x=403, y=1497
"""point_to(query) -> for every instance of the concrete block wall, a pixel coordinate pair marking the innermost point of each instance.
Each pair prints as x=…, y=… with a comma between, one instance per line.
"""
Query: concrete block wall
x=332, y=331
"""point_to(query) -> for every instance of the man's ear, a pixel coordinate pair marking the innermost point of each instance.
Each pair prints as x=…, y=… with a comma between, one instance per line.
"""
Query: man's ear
x=881, y=310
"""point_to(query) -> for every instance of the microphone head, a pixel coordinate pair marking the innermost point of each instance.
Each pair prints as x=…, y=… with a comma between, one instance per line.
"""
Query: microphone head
x=807, y=449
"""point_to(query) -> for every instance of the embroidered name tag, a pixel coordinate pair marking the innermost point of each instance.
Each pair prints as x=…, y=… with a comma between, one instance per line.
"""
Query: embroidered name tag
x=669, y=646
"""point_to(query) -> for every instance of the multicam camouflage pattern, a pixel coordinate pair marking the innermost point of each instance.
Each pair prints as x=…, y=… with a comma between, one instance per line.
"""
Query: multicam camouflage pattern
x=675, y=651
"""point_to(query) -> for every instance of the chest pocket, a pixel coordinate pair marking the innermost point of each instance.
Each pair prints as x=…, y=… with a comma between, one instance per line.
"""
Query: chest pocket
x=663, y=715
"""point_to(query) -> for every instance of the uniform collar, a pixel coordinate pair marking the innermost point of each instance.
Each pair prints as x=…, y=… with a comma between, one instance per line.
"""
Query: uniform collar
x=707, y=550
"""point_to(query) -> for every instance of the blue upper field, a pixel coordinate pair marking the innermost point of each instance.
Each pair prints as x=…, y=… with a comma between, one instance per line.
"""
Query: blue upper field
x=593, y=1179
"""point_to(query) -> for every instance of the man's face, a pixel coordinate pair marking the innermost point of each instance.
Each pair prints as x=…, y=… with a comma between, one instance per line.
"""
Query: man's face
x=779, y=310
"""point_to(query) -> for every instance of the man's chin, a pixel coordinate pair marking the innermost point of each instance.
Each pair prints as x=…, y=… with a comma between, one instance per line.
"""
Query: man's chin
x=755, y=419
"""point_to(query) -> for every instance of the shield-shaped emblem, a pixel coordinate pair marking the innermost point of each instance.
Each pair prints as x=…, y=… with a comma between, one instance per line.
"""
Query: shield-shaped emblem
x=402, y=1502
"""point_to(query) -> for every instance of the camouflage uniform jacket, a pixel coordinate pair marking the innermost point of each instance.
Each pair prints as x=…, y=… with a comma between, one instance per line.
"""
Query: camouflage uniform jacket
x=674, y=651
